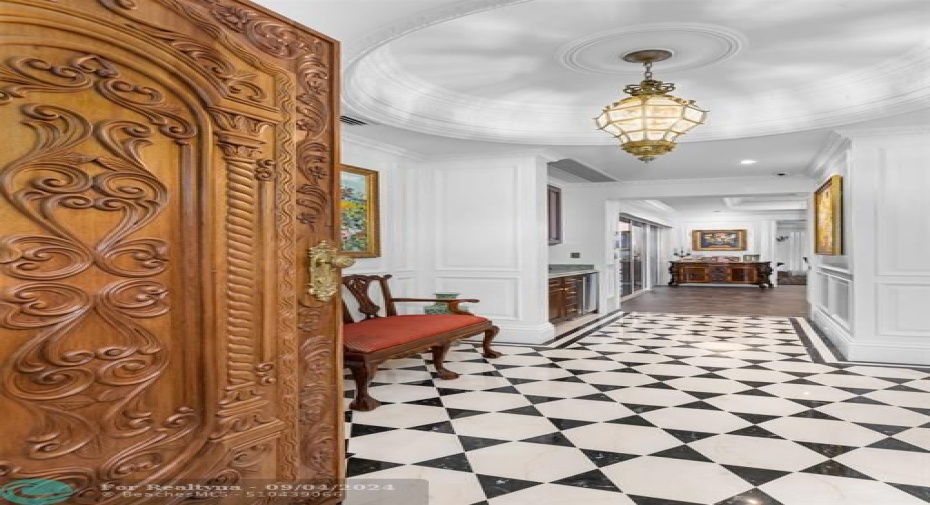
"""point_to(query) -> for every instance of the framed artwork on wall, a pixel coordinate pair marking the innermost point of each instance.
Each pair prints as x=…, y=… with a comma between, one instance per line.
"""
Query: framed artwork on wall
x=828, y=217
x=718, y=240
x=358, y=207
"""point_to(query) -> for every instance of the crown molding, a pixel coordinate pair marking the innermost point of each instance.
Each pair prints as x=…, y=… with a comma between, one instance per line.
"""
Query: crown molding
x=356, y=49
x=545, y=155
x=852, y=133
x=835, y=145
x=659, y=182
x=658, y=205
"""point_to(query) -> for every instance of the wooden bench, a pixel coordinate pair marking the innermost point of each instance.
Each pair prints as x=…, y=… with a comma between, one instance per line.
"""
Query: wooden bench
x=375, y=339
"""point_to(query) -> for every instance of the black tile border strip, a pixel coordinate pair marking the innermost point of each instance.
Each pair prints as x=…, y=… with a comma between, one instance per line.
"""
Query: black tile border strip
x=594, y=329
x=837, y=357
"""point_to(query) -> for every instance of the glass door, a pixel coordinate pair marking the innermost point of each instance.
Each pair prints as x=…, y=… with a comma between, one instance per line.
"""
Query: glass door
x=638, y=256
x=637, y=247
x=624, y=243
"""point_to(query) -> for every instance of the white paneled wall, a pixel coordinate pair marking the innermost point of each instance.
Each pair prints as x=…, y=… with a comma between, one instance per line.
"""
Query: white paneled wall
x=873, y=301
x=485, y=237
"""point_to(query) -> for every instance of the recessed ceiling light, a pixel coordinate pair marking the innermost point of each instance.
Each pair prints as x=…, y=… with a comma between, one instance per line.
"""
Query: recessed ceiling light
x=747, y=162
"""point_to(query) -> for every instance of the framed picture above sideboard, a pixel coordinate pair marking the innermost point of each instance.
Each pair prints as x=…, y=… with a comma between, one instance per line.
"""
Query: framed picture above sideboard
x=718, y=240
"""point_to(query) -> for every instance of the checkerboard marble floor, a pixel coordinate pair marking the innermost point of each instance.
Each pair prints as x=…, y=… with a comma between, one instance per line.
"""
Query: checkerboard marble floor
x=654, y=409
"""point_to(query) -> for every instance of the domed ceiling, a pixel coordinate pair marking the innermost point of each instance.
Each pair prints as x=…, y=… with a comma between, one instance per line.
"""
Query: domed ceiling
x=538, y=71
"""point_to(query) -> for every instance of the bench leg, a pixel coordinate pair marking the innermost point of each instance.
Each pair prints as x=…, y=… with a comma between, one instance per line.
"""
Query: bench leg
x=486, y=344
x=363, y=374
x=439, y=356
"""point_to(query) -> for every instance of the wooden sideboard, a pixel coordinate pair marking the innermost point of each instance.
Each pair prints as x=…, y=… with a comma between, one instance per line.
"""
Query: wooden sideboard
x=735, y=272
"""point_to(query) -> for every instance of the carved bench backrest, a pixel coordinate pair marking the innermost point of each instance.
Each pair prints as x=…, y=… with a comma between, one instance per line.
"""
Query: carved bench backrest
x=359, y=286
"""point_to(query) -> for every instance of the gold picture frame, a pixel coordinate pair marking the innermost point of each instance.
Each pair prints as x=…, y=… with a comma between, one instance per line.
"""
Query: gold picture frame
x=718, y=240
x=828, y=217
x=359, y=212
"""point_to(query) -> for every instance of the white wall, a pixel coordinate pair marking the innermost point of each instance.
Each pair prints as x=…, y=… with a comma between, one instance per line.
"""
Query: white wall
x=485, y=237
x=872, y=301
x=400, y=218
x=472, y=225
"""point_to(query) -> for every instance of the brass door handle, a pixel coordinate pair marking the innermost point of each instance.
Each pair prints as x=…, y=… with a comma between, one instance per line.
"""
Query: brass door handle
x=324, y=269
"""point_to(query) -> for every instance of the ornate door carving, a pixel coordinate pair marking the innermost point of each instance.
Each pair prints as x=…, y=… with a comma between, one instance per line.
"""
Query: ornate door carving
x=166, y=165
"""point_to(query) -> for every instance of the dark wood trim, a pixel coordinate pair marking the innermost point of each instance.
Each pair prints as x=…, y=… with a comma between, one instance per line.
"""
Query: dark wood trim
x=554, y=214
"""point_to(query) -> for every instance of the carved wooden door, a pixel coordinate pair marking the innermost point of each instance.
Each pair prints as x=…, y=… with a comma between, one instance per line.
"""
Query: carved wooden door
x=165, y=166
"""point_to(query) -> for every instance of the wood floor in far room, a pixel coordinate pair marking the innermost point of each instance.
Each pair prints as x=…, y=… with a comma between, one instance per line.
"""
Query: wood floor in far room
x=787, y=301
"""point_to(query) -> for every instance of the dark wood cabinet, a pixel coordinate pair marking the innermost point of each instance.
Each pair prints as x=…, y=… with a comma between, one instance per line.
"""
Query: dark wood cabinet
x=554, y=212
x=565, y=297
x=695, y=272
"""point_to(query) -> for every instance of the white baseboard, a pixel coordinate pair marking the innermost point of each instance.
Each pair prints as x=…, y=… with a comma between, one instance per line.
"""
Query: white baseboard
x=909, y=353
x=837, y=333
x=532, y=335
x=880, y=352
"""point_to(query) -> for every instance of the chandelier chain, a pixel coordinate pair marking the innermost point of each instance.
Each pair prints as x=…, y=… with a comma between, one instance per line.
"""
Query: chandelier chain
x=648, y=74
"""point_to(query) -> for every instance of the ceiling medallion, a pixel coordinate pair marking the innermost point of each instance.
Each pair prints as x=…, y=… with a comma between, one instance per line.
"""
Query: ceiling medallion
x=650, y=120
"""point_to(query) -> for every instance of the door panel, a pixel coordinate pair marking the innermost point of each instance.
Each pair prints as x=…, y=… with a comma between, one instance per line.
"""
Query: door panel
x=169, y=164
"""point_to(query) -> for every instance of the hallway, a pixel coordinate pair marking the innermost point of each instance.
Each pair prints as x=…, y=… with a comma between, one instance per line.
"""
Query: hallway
x=655, y=409
x=782, y=301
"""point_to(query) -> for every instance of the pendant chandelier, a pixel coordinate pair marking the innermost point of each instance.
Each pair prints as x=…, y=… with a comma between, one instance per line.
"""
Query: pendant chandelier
x=649, y=120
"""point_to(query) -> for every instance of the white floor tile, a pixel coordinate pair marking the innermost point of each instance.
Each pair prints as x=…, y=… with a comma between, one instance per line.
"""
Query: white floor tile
x=555, y=494
x=706, y=421
x=617, y=379
x=405, y=446
x=902, y=398
x=584, y=410
x=813, y=489
x=401, y=415
x=667, y=369
x=622, y=438
x=446, y=487
x=822, y=431
x=894, y=372
x=704, y=385
x=900, y=467
x=402, y=392
x=557, y=389
x=807, y=392
x=876, y=414
x=850, y=381
x=756, y=375
x=651, y=396
x=676, y=479
x=767, y=405
x=536, y=373
x=528, y=461
x=757, y=452
x=501, y=426
x=485, y=401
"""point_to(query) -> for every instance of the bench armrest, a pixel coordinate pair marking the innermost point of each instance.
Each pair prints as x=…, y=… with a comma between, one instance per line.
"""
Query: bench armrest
x=453, y=304
x=446, y=300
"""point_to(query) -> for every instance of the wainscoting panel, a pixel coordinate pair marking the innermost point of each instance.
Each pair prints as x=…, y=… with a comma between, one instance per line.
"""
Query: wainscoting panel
x=498, y=295
x=902, y=310
x=493, y=217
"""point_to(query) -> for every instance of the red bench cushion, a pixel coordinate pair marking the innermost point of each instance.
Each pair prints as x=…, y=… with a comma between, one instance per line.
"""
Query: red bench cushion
x=380, y=333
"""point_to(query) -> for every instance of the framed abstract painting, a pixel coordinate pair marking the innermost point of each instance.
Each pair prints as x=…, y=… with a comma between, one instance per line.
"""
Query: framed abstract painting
x=358, y=208
x=718, y=240
x=828, y=217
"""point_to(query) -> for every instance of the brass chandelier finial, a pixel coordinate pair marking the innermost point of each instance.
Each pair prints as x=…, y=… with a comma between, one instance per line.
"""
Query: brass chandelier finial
x=650, y=120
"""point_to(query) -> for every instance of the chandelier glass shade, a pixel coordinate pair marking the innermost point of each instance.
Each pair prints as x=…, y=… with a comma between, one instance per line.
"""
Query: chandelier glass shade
x=648, y=122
